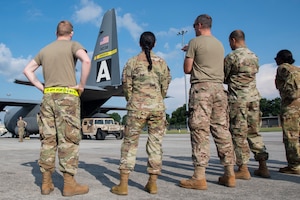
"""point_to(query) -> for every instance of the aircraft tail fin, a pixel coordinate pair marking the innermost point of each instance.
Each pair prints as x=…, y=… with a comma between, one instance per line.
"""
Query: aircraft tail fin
x=105, y=69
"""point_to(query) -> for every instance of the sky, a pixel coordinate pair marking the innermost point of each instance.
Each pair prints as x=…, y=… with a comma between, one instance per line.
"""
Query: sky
x=29, y=25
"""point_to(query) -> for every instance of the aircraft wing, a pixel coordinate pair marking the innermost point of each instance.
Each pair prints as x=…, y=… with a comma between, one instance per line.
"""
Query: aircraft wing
x=22, y=82
x=97, y=93
x=105, y=109
x=91, y=93
x=17, y=102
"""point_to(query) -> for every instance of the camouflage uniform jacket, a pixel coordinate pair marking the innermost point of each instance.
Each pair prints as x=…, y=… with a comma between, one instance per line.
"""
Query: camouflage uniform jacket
x=21, y=123
x=287, y=81
x=240, y=67
x=143, y=89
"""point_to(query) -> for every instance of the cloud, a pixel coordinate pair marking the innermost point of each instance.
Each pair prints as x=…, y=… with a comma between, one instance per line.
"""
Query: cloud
x=170, y=32
x=34, y=13
x=166, y=46
x=126, y=21
x=265, y=81
x=11, y=67
x=174, y=31
x=88, y=11
x=170, y=55
x=178, y=46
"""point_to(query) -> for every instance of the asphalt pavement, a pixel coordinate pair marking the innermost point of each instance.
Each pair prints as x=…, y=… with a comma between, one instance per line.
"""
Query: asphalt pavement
x=98, y=167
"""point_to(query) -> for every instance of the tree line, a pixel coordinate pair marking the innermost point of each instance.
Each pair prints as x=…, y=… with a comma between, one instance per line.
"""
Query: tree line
x=177, y=120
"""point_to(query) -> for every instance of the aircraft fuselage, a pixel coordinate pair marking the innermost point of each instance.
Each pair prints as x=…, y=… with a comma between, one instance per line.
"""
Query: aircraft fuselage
x=29, y=114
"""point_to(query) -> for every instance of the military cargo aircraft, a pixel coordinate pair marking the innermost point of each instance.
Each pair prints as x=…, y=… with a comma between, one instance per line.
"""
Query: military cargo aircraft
x=103, y=83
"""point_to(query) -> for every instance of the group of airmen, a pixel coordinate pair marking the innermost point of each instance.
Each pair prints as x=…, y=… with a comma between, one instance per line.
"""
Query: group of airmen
x=232, y=117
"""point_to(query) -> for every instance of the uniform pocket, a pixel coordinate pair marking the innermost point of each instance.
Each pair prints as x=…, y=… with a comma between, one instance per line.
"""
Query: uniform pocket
x=69, y=111
x=72, y=130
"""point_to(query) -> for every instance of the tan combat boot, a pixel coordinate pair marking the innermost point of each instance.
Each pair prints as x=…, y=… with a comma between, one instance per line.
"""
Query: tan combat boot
x=243, y=173
x=47, y=185
x=71, y=187
x=122, y=188
x=151, y=186
x=228, y=179
x=262, y=170
x=197, y=181
x=290, y=170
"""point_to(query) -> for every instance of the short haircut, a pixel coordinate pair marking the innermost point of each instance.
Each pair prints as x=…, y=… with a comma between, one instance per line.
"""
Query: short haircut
x=205, y=20
x=64, y=28
x=238, y=35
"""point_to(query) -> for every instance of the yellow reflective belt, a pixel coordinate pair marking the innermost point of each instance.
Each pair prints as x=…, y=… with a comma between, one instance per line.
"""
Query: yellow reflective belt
x=61, y=90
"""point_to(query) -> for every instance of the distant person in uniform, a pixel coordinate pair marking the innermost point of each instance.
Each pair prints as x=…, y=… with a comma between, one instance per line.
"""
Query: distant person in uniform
x=59, y=117
x=208, y=105
x=21, y=128
x=241, y=67
x=288, y=83
x=146, y=79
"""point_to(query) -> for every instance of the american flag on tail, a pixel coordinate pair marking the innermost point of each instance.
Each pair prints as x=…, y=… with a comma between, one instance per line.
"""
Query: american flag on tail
x=104, y=40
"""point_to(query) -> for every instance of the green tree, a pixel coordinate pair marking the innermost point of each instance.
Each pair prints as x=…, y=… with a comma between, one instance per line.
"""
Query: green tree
x=124, y=119
x=264, y=108
x=115, y=116
x=275, y=106
x=270, y=107
x=179, y=117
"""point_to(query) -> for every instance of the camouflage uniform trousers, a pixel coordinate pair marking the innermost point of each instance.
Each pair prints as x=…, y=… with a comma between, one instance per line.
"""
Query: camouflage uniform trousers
x=21, y=131
x=245, y=120
x=290, y=121
x=59, y=127
x=136, y=120
x=208, y=113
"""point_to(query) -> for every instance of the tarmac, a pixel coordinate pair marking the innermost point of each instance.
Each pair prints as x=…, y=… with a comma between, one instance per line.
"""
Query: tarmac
x=98, y=167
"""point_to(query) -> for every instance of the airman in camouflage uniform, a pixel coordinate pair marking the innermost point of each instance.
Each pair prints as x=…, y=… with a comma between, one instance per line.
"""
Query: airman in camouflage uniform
x=21, y=128
x=59, y=117
x=240, y=67
x=208, y=105
x=288, y=83
x=146, y=79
